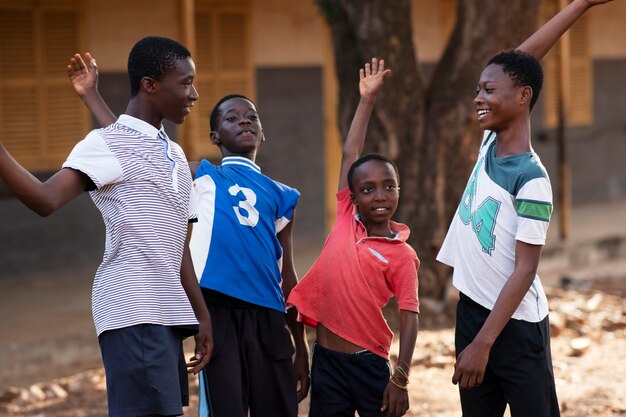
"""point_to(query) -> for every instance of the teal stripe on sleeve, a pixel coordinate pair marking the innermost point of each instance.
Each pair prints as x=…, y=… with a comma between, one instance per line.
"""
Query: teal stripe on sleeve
x=537, y=210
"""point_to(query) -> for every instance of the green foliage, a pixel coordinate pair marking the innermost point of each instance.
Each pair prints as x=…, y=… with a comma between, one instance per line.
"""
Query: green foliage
x=329, y=9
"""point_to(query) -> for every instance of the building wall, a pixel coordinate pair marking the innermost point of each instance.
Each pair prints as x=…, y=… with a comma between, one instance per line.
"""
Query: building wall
x=293, y=71
x=113, y=27
x=291, y=108
x=594, y=153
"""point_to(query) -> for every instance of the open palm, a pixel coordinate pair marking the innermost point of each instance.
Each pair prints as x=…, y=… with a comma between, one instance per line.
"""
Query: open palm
x=372, y=77
x=83, y=75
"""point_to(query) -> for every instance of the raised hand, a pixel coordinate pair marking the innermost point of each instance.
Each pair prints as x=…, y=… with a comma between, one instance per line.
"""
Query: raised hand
x=372, y=77
x=83, y=75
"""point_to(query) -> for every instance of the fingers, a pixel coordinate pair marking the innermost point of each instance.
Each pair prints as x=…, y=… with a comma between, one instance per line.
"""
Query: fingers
x=385, y=406
x=203, y=352
x=456, y=376
x=196, y=363
x=91, y=61
x=77, y=65
x=376, y=67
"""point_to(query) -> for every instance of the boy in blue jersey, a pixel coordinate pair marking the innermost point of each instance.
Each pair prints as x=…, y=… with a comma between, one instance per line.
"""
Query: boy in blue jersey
x=242, y=253
x=495, y=240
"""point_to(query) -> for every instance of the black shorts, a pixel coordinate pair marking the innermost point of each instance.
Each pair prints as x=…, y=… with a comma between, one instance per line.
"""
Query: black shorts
x=519, y=371
x=145, y=370
x=345, y=383
x=251, y=367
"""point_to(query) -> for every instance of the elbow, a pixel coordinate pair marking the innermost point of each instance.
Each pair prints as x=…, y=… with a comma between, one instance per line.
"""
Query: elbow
x=43, y=211
x=44, y=208
x=528, y=273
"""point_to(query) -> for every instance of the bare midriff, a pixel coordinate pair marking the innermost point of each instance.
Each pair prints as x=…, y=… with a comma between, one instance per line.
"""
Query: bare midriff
x=332, y=341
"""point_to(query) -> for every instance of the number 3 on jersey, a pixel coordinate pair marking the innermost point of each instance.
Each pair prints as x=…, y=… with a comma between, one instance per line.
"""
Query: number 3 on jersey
x=245, y=211
x=483, y=218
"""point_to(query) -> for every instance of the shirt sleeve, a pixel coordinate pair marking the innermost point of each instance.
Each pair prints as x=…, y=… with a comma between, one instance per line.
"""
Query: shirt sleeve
x=403, y=282
x=286, y=204
x=344, y=202
x=533, y=204
x=92, y=157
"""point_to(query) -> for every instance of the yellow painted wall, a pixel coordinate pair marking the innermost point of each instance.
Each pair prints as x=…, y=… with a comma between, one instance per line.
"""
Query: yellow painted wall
x=287, y=33
x=112, y=27
x=608, y=32
x=432, y=25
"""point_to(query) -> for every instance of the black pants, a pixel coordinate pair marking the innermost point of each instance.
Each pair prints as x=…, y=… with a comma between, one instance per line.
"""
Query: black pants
x=519, y=371
x=345, y=383
x=251, y=368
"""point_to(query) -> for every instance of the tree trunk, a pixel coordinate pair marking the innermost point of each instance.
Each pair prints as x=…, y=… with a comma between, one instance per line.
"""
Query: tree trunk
x=429, y=130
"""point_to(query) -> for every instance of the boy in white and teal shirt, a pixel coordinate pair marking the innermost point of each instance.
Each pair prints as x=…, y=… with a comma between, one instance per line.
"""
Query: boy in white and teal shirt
x=502, y=335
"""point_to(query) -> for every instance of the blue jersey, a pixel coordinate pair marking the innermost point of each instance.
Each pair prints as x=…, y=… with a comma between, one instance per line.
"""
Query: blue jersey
x=234, y=246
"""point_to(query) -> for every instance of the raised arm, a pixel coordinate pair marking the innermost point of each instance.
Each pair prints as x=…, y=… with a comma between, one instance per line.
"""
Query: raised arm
x=84, y=79
x=540, y=42
x=371, y=81
x=41, y=197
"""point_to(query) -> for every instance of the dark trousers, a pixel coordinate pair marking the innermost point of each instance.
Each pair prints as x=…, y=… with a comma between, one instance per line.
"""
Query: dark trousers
x=345, y=383
x=251, y=367
x=145, y=370
x=519, y=371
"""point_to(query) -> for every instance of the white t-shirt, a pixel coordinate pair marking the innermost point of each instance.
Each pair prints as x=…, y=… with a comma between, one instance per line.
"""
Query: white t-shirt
x=506, y=200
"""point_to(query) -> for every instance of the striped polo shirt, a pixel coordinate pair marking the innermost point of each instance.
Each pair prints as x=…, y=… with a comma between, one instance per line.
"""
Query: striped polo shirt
x=506, y=200
x=146, y=207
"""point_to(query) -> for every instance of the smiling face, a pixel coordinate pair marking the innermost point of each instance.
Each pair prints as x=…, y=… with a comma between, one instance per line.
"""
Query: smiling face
x=375, y=193
x=176, y=93
x=239, y=131
x=498, y=100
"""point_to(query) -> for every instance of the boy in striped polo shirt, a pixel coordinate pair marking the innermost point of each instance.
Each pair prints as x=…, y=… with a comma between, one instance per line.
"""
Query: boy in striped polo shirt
x=146, y=298
x=495, y=240
x=241, y=248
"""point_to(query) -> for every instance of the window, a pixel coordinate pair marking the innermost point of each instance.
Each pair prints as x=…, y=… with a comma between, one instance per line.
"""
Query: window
x=580, y=103
x=222, y=60
x=41, y=118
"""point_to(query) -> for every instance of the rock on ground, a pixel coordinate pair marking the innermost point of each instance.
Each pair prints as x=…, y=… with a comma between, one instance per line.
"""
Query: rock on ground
x=588, y=344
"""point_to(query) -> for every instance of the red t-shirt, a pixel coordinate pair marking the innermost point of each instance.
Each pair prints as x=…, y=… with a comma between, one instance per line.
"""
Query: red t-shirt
x=353, y=279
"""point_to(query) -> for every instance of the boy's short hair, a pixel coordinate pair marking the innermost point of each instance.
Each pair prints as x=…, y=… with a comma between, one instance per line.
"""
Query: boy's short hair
x=523, y=69
x=215, y=113
x=152, y=57
x=370, y=157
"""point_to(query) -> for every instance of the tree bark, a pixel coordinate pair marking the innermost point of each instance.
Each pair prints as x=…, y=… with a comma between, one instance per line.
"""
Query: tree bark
x=429, y=130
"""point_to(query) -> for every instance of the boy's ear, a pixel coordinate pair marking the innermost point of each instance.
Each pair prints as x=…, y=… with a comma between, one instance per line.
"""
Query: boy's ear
x=262, y=136
x=149, y=84
x=526, y=94
x=353, y=200
x=215, y=138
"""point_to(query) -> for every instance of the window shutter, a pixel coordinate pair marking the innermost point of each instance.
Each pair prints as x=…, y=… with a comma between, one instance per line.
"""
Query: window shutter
x=550, y=69
x=41, y=118
x=581, y=95
x=580, y=104
x=222, y=62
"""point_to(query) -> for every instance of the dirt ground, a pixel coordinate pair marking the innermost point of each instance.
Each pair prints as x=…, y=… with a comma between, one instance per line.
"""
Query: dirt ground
x=588, y=342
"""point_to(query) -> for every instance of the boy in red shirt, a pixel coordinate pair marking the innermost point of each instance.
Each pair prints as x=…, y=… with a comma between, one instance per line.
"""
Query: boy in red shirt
x=365, y=261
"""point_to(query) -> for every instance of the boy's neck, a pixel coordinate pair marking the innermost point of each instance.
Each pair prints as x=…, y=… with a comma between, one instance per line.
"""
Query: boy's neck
x=251, y=156
x=514, y=139
x=379, y=230
x=139, y=110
